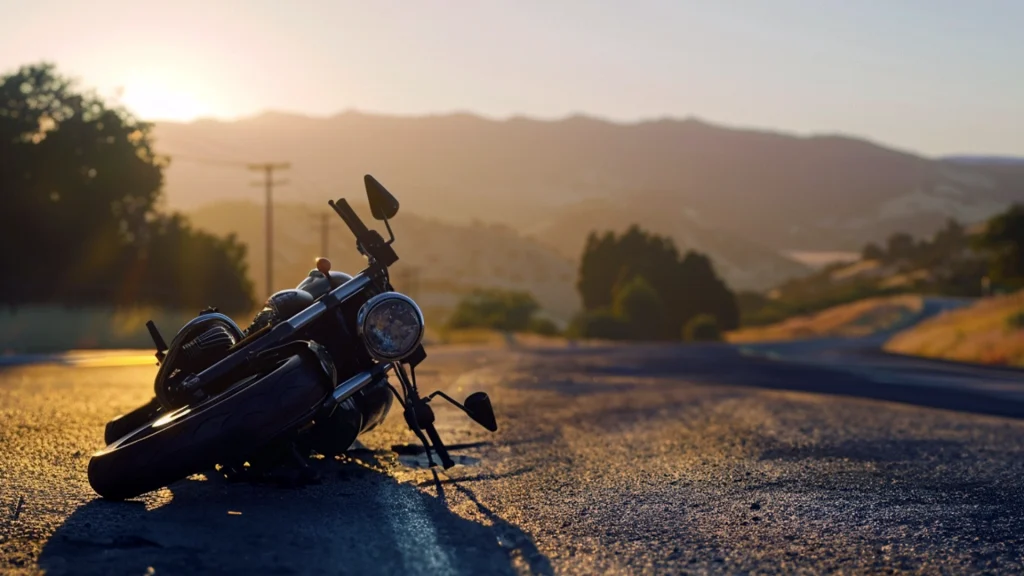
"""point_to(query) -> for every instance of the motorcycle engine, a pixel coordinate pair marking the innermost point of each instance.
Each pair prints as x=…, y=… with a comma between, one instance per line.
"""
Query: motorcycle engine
x=206, y=348
x=198, y=348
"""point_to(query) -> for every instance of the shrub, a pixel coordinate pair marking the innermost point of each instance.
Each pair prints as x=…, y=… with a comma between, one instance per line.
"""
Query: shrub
x=603, y=324
x=702, y=328
x=497, y=309
x=543, y=326
x=1016, y=321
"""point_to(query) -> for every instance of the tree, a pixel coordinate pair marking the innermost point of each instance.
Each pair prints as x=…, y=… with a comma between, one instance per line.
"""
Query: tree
x=900, y=246
x=640, y=307
x=1003, y=239
x=686, y=286
x=81, y=185
x=872, y=252
x=706, y=293
x=599, y=269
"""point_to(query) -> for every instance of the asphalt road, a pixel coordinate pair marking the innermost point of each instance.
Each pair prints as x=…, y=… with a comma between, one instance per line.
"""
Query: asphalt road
x=648, y=459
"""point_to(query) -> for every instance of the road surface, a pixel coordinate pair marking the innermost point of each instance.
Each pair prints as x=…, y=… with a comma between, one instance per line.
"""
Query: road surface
x=631, y=459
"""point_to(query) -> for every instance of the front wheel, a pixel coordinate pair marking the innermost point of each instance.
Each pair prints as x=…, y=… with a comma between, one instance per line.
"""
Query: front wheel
x=236, y=423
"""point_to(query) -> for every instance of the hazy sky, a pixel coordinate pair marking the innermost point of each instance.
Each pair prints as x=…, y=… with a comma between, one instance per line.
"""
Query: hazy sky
x=934, y=76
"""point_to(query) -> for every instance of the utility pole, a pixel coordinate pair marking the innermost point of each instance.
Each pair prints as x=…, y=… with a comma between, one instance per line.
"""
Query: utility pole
x=325, y=225
x=409, y=281
x=268, y=183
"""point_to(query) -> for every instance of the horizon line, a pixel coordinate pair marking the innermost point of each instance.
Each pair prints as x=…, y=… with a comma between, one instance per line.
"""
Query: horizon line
x=585, y=116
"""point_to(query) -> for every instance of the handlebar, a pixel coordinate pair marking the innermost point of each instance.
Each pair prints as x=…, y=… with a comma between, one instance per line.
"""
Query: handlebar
x=370, y=242
x=350, y=217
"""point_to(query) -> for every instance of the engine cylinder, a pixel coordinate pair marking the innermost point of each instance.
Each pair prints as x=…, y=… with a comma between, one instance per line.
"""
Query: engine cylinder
x=208, y=345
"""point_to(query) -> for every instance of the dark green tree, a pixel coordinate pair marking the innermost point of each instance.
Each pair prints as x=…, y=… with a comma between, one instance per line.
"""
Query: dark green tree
x=1003, y=239
x=706, y=293
x=900, y=246
x=599, y=269
x=686, y=286
x=80, y=185
x=872, y=252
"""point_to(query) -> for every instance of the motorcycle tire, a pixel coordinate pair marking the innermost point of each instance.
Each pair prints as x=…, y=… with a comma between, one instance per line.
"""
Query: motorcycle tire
x=244, y=418
x=127, y=423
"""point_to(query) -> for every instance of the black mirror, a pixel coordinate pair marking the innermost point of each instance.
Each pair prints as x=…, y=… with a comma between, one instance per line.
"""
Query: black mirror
x=383, y=205
x=478, y=406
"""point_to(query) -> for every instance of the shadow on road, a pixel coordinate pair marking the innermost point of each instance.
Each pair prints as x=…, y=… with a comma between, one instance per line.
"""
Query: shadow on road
x=358, y=520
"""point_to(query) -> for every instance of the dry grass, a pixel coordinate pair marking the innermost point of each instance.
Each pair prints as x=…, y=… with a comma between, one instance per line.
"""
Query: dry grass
x=849, y=320
x=54, y=328
x=43, y=329
x=984, y=333
x=489, y=338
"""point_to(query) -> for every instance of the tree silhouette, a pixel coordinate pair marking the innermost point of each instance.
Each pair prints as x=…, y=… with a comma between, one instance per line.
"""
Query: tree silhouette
x=685, y=287
x=640, y=307
x=80, y=185
x=1003, y=238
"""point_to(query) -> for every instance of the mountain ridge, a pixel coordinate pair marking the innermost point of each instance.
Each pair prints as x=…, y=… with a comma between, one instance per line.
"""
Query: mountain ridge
x=780, y=191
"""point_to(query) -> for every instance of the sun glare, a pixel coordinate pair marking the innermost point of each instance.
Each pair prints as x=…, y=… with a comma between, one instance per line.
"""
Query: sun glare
x=161, y=100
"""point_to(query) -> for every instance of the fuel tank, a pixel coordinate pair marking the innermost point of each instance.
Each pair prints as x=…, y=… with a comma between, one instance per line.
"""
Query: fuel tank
x=316, y=285
x=288, y=303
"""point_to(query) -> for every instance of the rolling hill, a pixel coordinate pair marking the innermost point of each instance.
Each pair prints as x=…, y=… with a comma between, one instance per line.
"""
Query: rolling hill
x=438, y=261
x=743, y=196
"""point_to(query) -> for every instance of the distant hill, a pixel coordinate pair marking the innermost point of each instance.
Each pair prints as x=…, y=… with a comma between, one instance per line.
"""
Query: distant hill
x=985, y=160
x=744, y=264
x=696, y=181
x=438, y=261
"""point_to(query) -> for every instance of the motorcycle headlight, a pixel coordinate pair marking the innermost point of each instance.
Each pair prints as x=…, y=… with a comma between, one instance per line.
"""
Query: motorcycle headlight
x=391, y=326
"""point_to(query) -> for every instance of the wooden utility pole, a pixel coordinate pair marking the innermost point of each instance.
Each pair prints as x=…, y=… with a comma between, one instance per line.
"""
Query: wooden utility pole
x=268, y=183
x=325, y=227
x=409, y=281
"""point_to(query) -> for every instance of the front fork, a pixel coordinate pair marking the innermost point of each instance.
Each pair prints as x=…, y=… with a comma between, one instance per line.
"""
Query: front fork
x=420, y=418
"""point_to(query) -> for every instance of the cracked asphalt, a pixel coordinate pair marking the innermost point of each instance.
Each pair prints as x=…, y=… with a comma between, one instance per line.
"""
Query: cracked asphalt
x=632, y=459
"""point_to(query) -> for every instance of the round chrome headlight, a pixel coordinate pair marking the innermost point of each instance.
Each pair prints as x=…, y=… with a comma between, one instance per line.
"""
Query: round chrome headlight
x=391, y=326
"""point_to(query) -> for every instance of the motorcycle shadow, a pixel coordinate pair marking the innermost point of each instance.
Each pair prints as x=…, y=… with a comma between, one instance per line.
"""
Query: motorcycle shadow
x=358, y=519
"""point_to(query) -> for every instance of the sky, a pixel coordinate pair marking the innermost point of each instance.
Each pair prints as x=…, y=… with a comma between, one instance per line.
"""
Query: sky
x=930, y=76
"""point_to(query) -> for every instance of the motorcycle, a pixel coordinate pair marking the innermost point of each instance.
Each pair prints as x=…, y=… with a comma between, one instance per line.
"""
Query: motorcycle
x=309, y=375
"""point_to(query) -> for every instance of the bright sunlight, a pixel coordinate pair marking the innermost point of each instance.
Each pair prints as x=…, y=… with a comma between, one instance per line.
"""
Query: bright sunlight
x=159, y=98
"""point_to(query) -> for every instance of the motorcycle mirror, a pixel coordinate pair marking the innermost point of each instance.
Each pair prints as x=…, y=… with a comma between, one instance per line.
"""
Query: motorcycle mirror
x=383, y=205
x=478, y=406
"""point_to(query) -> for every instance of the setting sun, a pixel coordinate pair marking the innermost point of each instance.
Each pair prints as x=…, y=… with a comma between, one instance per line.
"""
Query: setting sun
x=161, y=99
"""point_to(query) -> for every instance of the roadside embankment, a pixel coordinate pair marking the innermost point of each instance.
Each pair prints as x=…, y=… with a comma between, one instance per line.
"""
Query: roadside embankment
x=991, y=331
x=857, y=319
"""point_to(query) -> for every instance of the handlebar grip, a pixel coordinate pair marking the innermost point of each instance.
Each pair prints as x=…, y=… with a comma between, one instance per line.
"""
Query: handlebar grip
x=350, y=217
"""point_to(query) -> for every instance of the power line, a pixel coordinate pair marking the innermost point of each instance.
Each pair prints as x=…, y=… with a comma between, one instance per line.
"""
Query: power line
x=205, y=161
x=268, y=184
x=205, y=145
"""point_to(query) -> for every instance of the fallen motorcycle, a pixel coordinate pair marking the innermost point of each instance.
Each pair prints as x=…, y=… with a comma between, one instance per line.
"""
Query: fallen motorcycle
x=309, y=375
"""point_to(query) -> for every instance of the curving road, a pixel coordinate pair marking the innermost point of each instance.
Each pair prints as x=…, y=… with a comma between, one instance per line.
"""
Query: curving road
x=642, y=459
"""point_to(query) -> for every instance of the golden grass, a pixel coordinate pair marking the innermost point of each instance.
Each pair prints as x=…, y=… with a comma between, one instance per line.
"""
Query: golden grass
x=981, y=333
x=860, y=318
